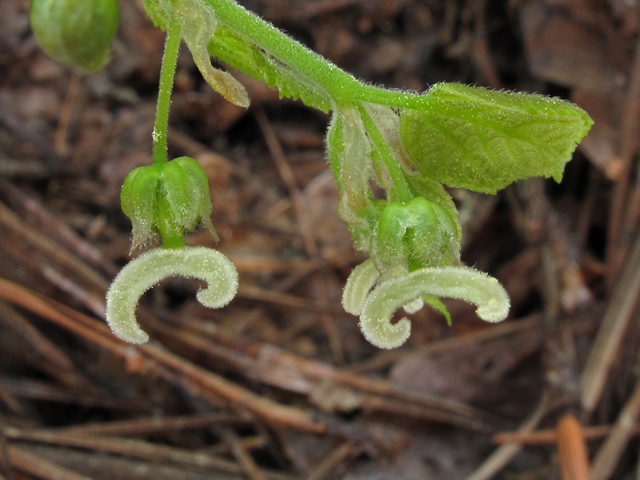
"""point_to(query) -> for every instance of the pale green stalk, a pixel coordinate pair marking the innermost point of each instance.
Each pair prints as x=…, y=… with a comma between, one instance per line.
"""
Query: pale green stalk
x=169, y=62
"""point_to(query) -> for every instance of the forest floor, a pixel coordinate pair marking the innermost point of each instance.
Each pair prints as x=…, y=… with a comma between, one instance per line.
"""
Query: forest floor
x=281, y=384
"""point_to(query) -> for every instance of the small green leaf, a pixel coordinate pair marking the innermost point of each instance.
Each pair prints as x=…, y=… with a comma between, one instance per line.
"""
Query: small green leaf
x=159, y=11
x=483, y=140
x=436, y=303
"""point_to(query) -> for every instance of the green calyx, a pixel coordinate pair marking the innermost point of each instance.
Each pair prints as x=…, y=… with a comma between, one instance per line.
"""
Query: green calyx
x=169, y=198
x=414, y=235
x=76, y=33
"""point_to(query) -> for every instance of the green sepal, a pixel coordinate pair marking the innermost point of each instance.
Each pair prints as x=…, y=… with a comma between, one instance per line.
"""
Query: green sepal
x=200, y=188
x=138, y=198
x=483, y=140
x=435, y=192
x=76, y=33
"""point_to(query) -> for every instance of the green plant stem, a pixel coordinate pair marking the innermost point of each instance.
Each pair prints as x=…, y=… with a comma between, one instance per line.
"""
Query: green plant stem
x=342, y=87
x=394, y=169
x=169, y=61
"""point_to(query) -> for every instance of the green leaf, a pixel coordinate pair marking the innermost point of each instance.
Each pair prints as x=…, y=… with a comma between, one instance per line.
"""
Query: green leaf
x=483, y=140
x=234, y=49
x=159, y=11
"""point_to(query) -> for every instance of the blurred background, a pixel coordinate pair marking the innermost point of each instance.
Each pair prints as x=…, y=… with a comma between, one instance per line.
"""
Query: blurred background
x=281, y=384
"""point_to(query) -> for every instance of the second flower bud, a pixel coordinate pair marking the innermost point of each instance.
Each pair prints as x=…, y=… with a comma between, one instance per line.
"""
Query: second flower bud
x=169, y=199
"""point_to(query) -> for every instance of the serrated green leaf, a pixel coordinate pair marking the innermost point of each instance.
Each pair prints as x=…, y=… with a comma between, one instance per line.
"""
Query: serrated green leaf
x=159, y=11
x=235, y=50
x=483, y=140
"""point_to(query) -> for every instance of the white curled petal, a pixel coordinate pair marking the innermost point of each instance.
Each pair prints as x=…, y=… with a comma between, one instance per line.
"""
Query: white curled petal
x=462, y=283
x=148, y=269
x=414, y=306
x=359, y=283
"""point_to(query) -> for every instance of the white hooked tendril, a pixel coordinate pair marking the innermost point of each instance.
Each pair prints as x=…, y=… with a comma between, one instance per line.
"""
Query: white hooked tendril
x=148, y=269
x=453, y=282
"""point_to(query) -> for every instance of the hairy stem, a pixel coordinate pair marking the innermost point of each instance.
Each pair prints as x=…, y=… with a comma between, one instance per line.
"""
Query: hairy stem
x=169, y=61
x=393, y=167
x=343, y=88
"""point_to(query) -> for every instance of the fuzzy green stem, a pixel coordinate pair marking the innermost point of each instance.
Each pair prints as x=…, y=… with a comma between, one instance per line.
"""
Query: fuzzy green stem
x=169, y=61
x=172, y=241
x=395, y=170
x=341, y=86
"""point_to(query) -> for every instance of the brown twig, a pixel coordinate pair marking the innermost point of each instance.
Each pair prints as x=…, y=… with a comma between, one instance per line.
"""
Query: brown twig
x=133, y=448
x=10, y=318
x=60, y=143
x=542, y=437
x=5, y=462
x=104, y=466
x=617, y=242
x=480, y=47
x=612, y=449
x=337, y=456
x=43, y=244
x=610, y=335
x=34, y=389
x=383, y=360
x=256, y=293
x=195, y=379
x=40, y=217
x=39, y=468
x=503, y=455
x=304, y=220
x=148, y=426
x=241, y=455
x=574, y=459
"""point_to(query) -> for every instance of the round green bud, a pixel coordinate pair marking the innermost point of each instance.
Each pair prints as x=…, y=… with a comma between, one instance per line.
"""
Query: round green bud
x=168, y=198
x=414, y=235
x=76, y=33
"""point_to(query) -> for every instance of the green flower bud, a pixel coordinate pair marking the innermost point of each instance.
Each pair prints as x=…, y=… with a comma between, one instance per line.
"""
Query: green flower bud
x=168, y=198
x=414, y=235
x=76, y=33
